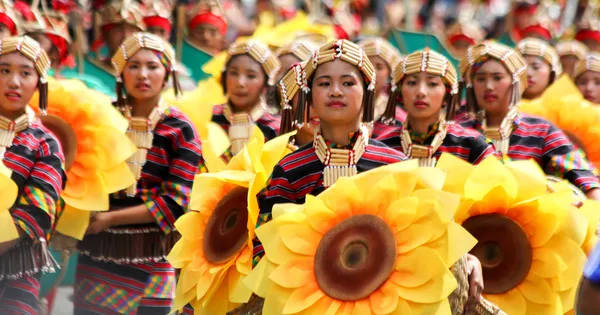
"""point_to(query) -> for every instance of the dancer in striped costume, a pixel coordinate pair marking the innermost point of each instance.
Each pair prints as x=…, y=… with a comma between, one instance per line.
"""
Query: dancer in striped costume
x=427, y=85
x=122, y=269
x=249, y=72
x=384, y=58
x=495, y=78
x=36, y=160
x=587, y=77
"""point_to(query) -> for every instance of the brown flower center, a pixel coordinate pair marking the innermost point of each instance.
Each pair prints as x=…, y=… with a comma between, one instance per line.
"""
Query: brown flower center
x=503, y=249
x=226, y=232
x=355, y=257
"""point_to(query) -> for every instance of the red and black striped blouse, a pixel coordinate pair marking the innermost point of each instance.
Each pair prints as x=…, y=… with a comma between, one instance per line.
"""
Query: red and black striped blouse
x=268, y=124
x=538, y=139
x=466, y=144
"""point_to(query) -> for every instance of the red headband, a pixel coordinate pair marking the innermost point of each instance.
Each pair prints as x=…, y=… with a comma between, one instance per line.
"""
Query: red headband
x=61, y=45
x=6, y=20
x=526, y=9
x=537, y=29
x=588, y=34
x=158, y=21
x=209, y=18
x=454, y=38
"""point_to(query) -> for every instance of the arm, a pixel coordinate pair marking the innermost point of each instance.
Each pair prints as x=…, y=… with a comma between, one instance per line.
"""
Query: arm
x=480, y=149
x=35, y=209
x=278, y=190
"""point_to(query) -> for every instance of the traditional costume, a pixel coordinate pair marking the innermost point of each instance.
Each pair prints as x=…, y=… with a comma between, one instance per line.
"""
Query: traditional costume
x=239, y=125
x=570, y=49
x=521, y=136
x=379, y=47
x=123, y=269
x=590, y=63
x=34, y=156
x=541, y=49
x=8, y=17
x=443, y=136
x=588, y=28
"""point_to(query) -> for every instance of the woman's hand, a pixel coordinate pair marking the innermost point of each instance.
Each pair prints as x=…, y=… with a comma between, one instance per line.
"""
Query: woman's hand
x=99, y=222
x=475, y=281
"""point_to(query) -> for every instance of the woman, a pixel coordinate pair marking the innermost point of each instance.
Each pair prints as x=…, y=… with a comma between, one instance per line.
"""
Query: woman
x=587, y=77
x=496, y=75
x=384, y=58
x=123, y=252
x=570, y=52
x=36, y=160
x=543, y=66
x=339, y=87
x=249, y=72
x=427, y=85
x=293, y=53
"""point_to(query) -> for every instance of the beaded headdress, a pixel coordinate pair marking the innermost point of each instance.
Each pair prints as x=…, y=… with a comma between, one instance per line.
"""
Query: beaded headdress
x=31, y=49
x=508, y=57
x=123, y=11
x=427, y=61
x=131, y=46
x=589, y=24
x=260, y=53
x=381, y=48
x=539, y=48
x=340, y=49
x=590, y=63
x=301, y=49
x=289, y=85
x=571, y=48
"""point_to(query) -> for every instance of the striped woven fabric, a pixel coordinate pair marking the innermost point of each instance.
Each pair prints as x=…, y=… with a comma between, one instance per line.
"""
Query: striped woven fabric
x=379, y=128
x=37, y=162
x=466, y=144
x=538, y=139
x=268, y=124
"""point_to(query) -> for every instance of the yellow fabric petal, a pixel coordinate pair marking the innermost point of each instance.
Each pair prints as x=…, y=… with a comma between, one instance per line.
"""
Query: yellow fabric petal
x=531, y=179
x=511, y=302
x=401, y=213
x=362, y=307
x=385, y=191
x=238, y=291
x=573, y=257
x=274, y=150
x=417, y=267
x=303, y=298
x=300, y=238
x=73, y=222
x=440, y=308
x=435, y=290
x=487, y=176
x=350, y=201
x=322, y=218
x=9, y=191
x=276, y=251
x=295, y=273
x=384, y=300
x=461, y=243
x=547, y=263
x=258, y=279
x=448, y=202
x=412, y=237
x=234, y=177
x=458, y=172
x=187, y=225
x=537, y=290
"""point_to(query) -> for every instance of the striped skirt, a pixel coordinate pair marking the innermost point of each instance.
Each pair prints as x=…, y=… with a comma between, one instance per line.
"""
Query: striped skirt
x=21, y=296
x=109, y=288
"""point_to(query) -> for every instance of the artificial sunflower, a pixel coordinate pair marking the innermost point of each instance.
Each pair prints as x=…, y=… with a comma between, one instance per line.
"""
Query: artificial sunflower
x=380, y=242
x=531, y=260
x=215, y=249
x=9, y=191
x=563, y=105
x=92, y=133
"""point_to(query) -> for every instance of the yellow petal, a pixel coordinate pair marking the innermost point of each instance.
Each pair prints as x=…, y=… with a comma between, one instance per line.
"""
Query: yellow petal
x=300, y=238
x=295, y=273
x=574, y=258
x=273, y=151
x=547, y=263
x=384, y=300
x=303, y=298
x=537, y=290
x=401, y=213
x=238, y=291
x=531, y=179
x=7, y=226
x=348, y=202
x=384, y=192
x=322, y=218
x=362, y=307
x=458, y=172
x=416, y=267
x=258, y=279
x=511, y=302
x=460, y=242
x=275, y=249
x=235, y=177
x=487, y=176
x=187, y=225
x=435, y=290
x=412, y=237
x=440, y=308
x=554, y=308
x=72, y=222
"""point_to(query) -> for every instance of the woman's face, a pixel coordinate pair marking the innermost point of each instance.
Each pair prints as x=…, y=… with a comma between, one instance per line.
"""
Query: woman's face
x=538, y=76
x=492, y=85
x=589, y=85
x=337, y=93
x=18, y=82
x=144, y=75
x=287, y=61
x=245, y=82
x=423, y=95
x=208, y=38
x=568, y=64
x=382, y=74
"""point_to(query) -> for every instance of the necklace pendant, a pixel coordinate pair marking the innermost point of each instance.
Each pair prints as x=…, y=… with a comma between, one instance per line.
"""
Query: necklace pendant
x=332, y=173
x=239, y=134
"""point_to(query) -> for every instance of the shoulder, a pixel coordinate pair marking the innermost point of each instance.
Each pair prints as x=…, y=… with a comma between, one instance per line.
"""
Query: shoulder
x=459, y=131
x=271, y=121
x=38, y=137
x=218, y=109
x=176, y=119
x=298, y=159
x=390, y=135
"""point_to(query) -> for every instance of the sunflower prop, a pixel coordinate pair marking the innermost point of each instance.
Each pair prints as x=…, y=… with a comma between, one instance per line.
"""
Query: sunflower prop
x=92, y=133
x=564, y=106
x=215, y=249
x=530, y=256
x=380, y=242
x=9, y=194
